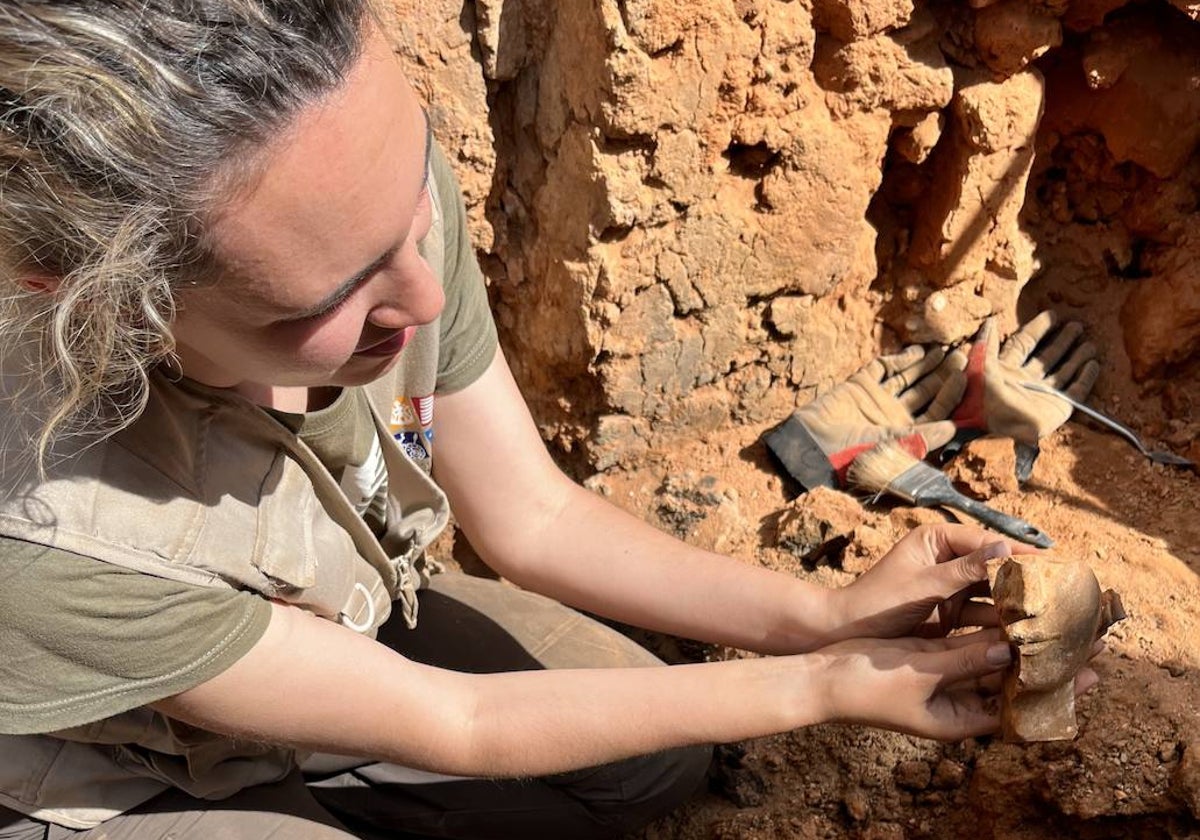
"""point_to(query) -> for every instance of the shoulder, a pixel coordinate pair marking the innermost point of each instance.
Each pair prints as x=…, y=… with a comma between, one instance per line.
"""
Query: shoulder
x=82, y=639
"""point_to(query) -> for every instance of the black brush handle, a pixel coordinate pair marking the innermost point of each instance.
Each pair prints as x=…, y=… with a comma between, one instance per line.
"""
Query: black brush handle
x=1006, y=524
x=930, y=486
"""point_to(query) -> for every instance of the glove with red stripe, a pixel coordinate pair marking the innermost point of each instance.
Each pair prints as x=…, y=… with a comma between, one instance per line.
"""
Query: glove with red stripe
x=907, y=396
x=995, y=399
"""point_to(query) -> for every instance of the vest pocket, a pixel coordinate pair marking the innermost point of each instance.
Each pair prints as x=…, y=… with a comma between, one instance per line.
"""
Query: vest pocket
x=307, y=558
x=71, y=784
x=27, y=762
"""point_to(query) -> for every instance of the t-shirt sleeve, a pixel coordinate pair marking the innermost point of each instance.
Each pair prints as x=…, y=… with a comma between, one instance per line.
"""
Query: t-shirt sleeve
x=82, y=640
x=468, y=333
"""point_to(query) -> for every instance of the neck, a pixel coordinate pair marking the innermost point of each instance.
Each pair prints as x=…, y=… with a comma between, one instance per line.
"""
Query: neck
x=296, y=400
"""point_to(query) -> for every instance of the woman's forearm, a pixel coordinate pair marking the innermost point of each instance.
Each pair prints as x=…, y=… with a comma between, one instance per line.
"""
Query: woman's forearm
x=596, y=557
x=313, y=685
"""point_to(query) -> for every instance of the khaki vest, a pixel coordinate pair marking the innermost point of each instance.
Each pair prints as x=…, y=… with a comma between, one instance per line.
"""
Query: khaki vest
x=208, y=489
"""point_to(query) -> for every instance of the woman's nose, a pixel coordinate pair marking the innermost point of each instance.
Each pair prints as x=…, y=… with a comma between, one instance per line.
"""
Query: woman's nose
x=411, y=295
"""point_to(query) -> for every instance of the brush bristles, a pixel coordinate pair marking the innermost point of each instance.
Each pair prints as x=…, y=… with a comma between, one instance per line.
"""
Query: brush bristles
x=879, y=466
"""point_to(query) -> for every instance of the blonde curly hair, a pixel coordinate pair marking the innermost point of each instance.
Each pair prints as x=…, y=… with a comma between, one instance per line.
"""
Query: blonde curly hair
x=123, y=124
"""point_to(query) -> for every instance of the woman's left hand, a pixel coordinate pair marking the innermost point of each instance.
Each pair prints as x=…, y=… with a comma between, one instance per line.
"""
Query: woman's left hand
x=924, y=585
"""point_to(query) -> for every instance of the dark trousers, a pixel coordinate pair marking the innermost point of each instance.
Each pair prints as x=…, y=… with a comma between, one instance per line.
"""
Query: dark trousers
x=466, y=624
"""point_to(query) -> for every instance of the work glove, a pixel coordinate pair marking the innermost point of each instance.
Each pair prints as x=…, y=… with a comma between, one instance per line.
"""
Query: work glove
x=996, y=400
x=908, y=396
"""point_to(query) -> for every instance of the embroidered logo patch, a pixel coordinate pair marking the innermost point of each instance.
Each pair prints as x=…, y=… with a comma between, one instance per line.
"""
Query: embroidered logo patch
x=411, y=424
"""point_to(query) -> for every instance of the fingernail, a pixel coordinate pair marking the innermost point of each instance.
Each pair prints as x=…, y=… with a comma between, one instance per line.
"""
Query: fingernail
x=994, y=551
x=999, y=654
x=1085, y=680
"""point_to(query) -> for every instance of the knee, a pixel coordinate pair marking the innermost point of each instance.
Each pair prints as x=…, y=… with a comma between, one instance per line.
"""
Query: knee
x=629, y=794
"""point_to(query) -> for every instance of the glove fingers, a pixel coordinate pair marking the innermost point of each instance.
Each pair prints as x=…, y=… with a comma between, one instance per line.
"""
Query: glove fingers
x=936, y=435
x=874, y=370
x=1082, y=354
x=898, y=362
x=1048, y=358
x=1023, y=342
x=913, y=375
x=951, y=390
x=1082, y=386
x=920, y=394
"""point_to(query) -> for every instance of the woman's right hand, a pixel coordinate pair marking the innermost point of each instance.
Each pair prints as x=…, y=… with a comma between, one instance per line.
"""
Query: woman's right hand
x=944, y=688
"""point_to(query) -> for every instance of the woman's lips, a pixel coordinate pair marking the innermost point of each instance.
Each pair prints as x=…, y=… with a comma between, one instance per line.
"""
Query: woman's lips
x=389, y=346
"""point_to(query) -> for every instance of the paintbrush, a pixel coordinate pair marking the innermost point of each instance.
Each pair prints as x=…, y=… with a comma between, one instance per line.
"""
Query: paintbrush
x=887, y=468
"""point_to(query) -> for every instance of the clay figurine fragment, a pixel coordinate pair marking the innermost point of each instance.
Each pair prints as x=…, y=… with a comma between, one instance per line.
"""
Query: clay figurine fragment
x=1052, y=611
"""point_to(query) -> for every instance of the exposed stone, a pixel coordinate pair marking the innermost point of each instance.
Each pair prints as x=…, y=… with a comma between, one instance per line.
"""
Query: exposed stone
x=858, y=804
x=985, y=467
x=1011, y=34
x=818, y=525
x=913, y=775
x=914, y=144
x=700, y=509
x=1192, y=10
x=617, y=440
x=851, y=20
x=887, y=71
x=1161, y=316
x=816, y=332
x=943, y=316
x=1141, y=65
x=968, y=231
x=867, y=546
x=949, y=774
x=502, y=37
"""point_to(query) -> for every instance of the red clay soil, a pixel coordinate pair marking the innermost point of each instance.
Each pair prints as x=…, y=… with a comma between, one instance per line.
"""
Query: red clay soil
x=1134, y=769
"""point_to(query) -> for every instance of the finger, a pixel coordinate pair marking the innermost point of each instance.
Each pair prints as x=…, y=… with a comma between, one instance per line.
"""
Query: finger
x=892, y=364
x=950, y=391
x=971, y=714
x=949, y=540
x=962, y=574
x=1084, y=382
x=874, y=370
x=984, y=636
x=1082, y=354
x=962, y=610
x=986, y=684
x=989, y=336
x=1085, y=680
x=1023, y=342
x=959, y=665
x=936, y=435
x=903, y=379
x=1047, y=359
x=918, y=380
x=976, y=614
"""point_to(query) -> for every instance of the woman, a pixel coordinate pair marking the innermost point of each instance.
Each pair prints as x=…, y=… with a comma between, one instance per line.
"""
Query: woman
x=237, y=283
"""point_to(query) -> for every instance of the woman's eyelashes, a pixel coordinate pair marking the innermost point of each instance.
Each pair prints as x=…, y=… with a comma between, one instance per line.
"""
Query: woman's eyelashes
x=422, y=222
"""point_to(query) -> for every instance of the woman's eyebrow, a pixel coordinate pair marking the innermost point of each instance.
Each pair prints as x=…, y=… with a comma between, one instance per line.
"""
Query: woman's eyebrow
x=347, y=288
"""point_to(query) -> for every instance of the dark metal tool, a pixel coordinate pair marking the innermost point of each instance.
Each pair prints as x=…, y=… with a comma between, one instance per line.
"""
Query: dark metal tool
x=1157, y=457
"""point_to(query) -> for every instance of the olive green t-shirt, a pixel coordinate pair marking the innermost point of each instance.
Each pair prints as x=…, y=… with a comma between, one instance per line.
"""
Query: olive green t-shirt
x=81, y=639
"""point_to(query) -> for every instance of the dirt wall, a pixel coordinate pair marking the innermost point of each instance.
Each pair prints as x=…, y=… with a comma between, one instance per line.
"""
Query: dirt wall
x=697, y=214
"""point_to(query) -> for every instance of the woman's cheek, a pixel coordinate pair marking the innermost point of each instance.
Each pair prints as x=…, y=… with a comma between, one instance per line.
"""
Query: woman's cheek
x=323, y=346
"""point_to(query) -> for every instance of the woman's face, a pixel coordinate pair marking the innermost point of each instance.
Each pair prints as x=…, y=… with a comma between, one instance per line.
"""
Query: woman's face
x=323, y=283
